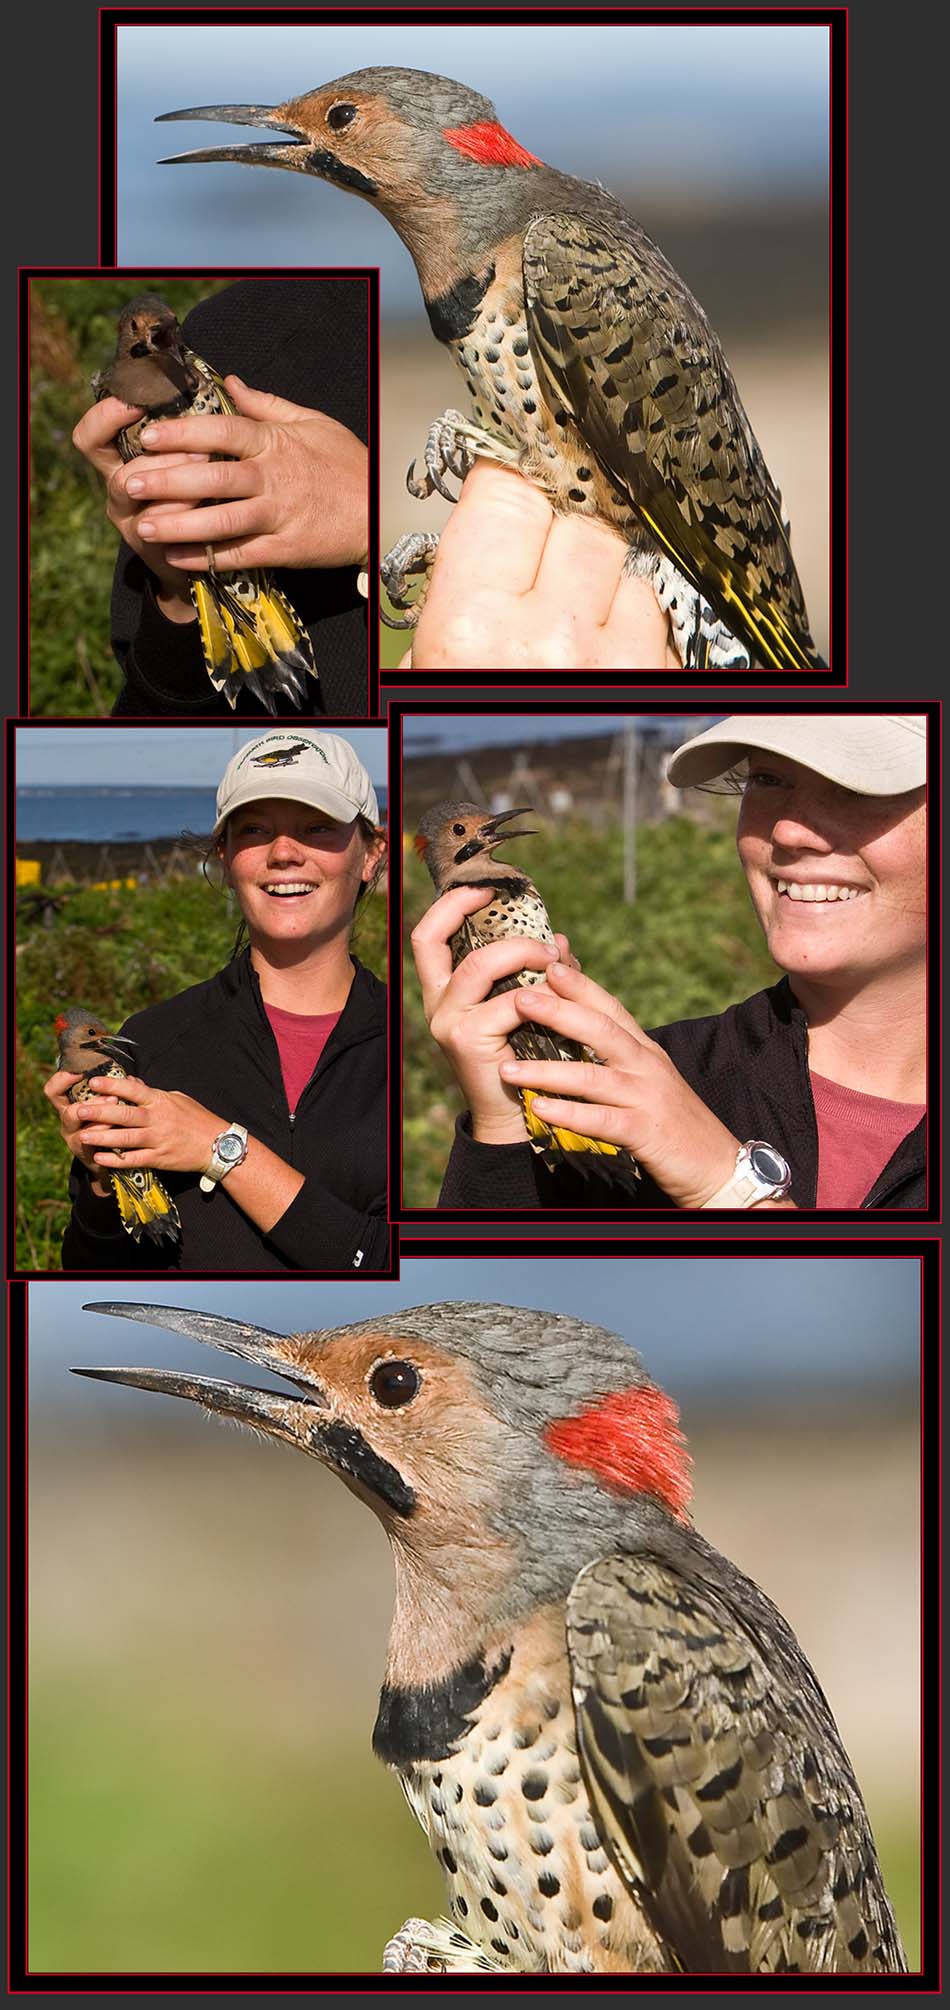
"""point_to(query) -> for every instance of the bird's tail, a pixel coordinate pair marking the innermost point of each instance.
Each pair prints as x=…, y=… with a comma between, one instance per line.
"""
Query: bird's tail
x=252, y=639
x=144, y=1206
x=593, y=1156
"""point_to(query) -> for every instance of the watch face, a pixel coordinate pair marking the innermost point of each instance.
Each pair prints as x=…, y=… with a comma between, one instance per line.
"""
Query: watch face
x=230, y=1149
x=767, y=1165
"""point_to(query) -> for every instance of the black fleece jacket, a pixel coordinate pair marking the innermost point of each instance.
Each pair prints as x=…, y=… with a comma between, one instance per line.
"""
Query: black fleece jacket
x=750, y=1067
x=214, y=1042
x=306, y=340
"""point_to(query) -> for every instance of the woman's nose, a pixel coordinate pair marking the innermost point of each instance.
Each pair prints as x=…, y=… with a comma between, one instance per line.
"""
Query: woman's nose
x=284, y=845
x=801, y=832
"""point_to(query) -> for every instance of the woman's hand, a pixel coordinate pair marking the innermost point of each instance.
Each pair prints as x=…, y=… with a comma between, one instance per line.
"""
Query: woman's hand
x=158, y=1128
x=517, y=587
x=637, y=1099
x=57, y=1092
x=95, y=438
x=294, y=491
x=470, y=1027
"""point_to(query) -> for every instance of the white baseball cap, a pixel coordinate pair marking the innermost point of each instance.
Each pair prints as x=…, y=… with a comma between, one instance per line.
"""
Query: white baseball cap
x=315, y=768
x=871, y=754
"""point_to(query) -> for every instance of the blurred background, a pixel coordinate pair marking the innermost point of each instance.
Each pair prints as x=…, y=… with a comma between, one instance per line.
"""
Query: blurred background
x=113, y=910
x=642, y=877
x=209, y=1615
x=715, y=137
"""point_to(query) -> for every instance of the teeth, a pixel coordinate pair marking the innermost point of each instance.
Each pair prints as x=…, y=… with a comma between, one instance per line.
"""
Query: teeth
x=289, y=888
x=819, y=892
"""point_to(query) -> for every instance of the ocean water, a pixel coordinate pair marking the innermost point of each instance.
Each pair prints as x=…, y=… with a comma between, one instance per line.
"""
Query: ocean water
x=101, y=815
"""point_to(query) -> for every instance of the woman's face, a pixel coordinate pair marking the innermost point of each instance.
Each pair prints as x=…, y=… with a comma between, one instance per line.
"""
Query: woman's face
x=837, y=879
x=295, y=871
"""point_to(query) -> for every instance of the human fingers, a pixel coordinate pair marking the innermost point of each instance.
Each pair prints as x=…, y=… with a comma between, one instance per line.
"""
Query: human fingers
x=220, y=525
x=97, y=429
x=264, y=405
x=635, y=630
x=57, y=1088
x=432, y=934
x=506, y=520
x=183, y=477
x=565, y=954
x=580, y=570
x=599, y=1030
x=569, y=981
x=211, y=433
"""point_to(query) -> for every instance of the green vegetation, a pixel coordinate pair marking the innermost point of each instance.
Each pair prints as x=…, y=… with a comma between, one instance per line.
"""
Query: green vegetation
x=73, y=545
x=202, y=1850
x=690, y=945
x=115, y=952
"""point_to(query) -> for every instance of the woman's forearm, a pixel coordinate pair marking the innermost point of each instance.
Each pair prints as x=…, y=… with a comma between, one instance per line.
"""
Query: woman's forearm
x=263, y=1185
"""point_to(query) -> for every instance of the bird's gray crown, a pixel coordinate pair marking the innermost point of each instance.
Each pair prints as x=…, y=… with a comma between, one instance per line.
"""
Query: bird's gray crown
x=420, y=96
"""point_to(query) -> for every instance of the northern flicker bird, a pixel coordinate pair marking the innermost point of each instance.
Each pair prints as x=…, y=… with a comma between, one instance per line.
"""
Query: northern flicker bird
x=457, y=841
x=591, y=367
x=251, y=638
x=87, y=1049
x=615, y=1746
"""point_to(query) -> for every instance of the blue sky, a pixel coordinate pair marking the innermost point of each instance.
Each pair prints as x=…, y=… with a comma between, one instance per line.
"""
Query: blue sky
x=774, y=1328
x=154, y=756
x=700, y=117
x=422, y=733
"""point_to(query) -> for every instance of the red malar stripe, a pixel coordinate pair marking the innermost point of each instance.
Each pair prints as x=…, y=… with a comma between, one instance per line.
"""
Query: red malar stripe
x=490, y=144
x=632, y=1444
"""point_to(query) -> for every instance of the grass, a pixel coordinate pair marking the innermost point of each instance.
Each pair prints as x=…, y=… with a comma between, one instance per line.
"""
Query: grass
x=689, y=946
x=73, y=546
x=115, y=952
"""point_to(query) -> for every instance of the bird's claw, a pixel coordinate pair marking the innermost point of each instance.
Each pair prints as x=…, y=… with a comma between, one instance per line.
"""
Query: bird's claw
x=446, y=451
x=407, y=1953
x=407, y=568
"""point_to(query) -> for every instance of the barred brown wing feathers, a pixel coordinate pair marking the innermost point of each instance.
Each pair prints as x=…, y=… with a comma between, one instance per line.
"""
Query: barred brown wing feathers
x=719, y=1785
x=619, y=340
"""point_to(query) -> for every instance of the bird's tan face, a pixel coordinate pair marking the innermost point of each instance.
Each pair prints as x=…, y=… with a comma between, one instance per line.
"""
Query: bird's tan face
x=462, y=845
x=403, y=1425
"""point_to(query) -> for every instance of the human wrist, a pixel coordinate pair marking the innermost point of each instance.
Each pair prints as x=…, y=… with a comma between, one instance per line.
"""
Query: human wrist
x=507, y=1129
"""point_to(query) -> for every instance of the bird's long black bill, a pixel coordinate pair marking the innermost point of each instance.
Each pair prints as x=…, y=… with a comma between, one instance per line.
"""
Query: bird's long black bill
x=492, y=825
x=279, y=1415
x=261, y=153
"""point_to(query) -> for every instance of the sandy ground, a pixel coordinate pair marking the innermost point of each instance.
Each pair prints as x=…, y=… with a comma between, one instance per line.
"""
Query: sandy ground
x=785, y=393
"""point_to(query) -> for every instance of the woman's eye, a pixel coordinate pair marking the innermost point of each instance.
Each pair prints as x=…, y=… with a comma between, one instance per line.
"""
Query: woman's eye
x=762, y=778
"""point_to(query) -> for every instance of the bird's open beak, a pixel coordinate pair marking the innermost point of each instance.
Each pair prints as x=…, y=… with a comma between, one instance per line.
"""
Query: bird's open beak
x=116, y=1047
x=292, y=1418
x=490, y=833
x=291, y=152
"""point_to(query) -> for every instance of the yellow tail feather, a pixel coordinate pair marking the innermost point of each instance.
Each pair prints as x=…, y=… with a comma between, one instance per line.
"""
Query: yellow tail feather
x=144, y=1206
x=566, y=1141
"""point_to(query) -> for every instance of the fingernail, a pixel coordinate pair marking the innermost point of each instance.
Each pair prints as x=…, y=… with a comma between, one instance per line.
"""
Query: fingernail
x=508, y=1068
x=149, y=436
x=134, y=486
x=146, y=529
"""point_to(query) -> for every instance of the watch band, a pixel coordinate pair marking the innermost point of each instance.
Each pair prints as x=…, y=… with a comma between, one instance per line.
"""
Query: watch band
x=229, y=1150
x=760, y=1173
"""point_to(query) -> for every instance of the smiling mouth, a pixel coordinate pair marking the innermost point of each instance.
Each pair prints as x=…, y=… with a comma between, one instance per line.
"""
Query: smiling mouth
x=293, y=890
x=818, y=893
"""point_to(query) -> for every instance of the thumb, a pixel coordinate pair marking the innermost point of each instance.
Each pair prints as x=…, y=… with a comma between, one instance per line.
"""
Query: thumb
x=262, y=404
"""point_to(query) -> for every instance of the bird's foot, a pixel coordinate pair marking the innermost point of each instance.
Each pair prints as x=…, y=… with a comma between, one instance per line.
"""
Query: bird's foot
x=702, y=641
x=408, y=1952
x=424, y=1947
x=405, y=571
x=452, y=447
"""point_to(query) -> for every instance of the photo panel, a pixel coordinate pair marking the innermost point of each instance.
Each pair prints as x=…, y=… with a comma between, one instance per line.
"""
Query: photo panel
x=202, y=469
x=203, y=909
x=732, y=913
x=671, y=1573
x=641, y=311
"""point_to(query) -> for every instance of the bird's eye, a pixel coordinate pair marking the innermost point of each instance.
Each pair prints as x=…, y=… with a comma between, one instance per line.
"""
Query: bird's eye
x=339, y=116
x=394, y=1383
x=458, y=830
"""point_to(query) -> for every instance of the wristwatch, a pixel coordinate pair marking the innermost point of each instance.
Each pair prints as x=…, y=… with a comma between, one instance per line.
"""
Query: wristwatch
x=760, y=1173
x=227, y=1152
